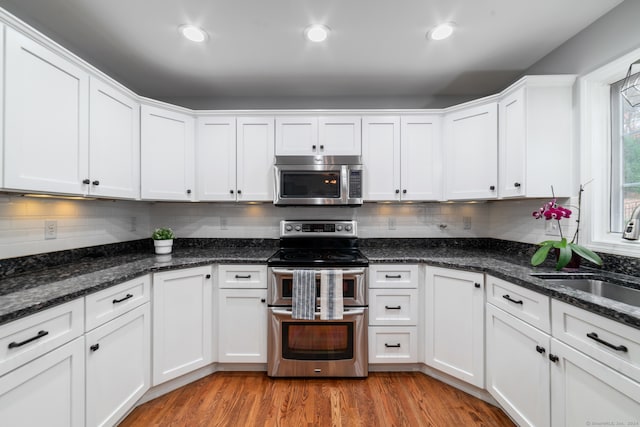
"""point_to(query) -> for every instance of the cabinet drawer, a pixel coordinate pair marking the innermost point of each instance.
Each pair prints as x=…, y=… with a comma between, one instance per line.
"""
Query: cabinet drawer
x=595, y=336
x=393, y=344
x=242, y=276
x=393, y=307
x=393, y=276
x=116, y=300
x=529, y=306
x=25, y=339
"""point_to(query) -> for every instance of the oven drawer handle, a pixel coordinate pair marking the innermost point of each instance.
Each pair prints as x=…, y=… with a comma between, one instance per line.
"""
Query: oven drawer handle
x=289, y=271
x=392, y=345
x=348, y=312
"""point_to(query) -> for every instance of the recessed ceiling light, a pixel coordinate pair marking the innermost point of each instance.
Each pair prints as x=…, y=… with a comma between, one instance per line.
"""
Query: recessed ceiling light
x=193, y=33
x=317, y=33
x=441, y=32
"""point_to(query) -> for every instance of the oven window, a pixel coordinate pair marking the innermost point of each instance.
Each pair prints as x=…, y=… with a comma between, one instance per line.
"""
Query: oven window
x=310, y=184
x=348, y=287
x=317, y=341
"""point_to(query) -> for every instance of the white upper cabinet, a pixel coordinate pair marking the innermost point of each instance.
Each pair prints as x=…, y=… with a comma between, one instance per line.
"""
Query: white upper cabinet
x=471, y=152
x=402, y=157
x=254, y=151
x=114, y=143
x=421, y=157
x=46, y=117
x=325, y=136
x=167, y=153
x=535, y=137
x=216, y=158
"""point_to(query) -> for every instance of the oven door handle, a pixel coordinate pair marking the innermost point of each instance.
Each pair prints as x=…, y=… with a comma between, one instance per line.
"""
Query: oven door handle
x=282, y=271
x=346, y=312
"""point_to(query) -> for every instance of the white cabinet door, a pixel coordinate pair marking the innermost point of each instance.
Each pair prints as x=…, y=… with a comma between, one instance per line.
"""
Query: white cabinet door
x=182, y=322
x=118, y=366
x=46, y=115
x=255, y=159
x=586, y=392
x=421, y=158
x=455, y=323
x=381, y=157
x=512, y=147
x=48, y=391
x=216, y=158
x=518, y=368
x=167, y=166
x=471, y=151
x=242, y=325
x=114, y=143
x=339, y=136
x=296, y=135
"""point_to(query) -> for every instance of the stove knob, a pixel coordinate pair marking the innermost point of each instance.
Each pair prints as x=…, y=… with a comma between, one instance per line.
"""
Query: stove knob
x=298, y=228
x=288, y=228
x=347, y=228
x=339, y=227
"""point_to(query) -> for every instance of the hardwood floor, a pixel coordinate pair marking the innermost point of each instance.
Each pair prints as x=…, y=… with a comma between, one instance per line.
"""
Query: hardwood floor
x=253, y=399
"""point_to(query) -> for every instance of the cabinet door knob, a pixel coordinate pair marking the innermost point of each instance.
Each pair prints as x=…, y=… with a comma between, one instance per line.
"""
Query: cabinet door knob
x=540, y=350
x=492, y=188
x=477, y=285
x=208, y=276
x=313, y=147
x=188, y=191
x=263, y=300
x=516, y=184
x=230, y=191
x=553, y=358
x=239, y=191
x=322, y=147
x=404, y=191
x=397, y=191
x=86, y=181
x=94, y=347
x=96, y=182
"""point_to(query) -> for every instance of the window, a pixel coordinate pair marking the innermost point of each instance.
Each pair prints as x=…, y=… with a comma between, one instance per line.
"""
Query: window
x=625, y=159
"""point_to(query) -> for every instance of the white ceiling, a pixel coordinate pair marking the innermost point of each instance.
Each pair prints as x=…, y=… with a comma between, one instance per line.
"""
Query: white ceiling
x=256, y=47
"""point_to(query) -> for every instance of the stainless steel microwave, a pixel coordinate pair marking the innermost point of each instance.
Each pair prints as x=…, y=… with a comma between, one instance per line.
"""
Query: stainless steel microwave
x=318, y=180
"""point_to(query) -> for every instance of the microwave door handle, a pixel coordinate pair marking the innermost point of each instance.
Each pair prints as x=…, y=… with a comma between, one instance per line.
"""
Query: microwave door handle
x=344, y=175
x=345, y=313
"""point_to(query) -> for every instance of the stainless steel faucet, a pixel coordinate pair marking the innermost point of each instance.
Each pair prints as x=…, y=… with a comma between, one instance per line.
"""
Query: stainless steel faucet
x=632, y=230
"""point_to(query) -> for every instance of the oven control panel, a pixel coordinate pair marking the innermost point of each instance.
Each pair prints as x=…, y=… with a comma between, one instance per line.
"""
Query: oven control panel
x=318, y=228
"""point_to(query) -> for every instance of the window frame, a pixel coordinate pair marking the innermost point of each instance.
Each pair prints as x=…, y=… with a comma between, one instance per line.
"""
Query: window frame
x=595, y=128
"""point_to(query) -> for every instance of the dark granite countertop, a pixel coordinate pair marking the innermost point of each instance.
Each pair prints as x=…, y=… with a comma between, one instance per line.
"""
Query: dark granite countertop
x=26, y=290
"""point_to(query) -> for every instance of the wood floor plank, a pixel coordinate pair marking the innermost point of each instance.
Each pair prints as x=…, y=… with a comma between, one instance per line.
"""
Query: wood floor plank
x=253, y=399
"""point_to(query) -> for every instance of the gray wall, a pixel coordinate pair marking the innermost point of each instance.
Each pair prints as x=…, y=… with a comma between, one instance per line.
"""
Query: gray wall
x=608, y=38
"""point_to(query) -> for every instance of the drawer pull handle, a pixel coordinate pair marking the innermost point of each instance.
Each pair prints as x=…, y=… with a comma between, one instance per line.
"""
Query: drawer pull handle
x=594, y=337
x=115, y=301
x=540, y=350
x=27, y=341
x=94, y=347
x=508, y=298
x=393, y=276
x=396, y=307
x=238, y=276
x=392, y=345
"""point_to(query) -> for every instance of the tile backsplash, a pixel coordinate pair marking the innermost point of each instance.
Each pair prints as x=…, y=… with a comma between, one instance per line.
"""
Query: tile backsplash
x=82, y=223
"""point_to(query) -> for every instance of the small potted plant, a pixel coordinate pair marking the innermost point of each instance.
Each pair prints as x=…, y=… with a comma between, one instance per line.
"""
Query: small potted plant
x=163, y=240
x=568, y=253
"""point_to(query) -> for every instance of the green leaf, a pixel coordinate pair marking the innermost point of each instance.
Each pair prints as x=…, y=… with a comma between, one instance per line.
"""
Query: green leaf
x=541, y=254
x=586, y=253
x=565, y=255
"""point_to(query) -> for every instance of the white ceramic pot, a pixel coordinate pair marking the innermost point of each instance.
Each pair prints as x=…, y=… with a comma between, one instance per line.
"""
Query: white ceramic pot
x=163, y=246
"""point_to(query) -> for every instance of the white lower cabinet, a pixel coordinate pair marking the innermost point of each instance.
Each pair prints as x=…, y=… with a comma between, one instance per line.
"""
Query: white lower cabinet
x=585, y=392
x=48, y=391
x=242, y=314
x=518, y=368
x=118, y=357
x=454, y=323
x=182, y=322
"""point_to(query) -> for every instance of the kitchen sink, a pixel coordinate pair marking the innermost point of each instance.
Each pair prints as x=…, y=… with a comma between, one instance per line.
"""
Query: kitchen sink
x=595, y=286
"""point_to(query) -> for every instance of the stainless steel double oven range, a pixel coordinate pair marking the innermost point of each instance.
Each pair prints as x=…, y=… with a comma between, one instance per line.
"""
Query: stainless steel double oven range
x=318, y=348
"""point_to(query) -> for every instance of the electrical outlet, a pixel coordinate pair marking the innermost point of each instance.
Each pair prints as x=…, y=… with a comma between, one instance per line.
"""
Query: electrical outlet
x=223, y=223
x=551, y=228
x=466, y=222
x=392, y=223
x=50, y=229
